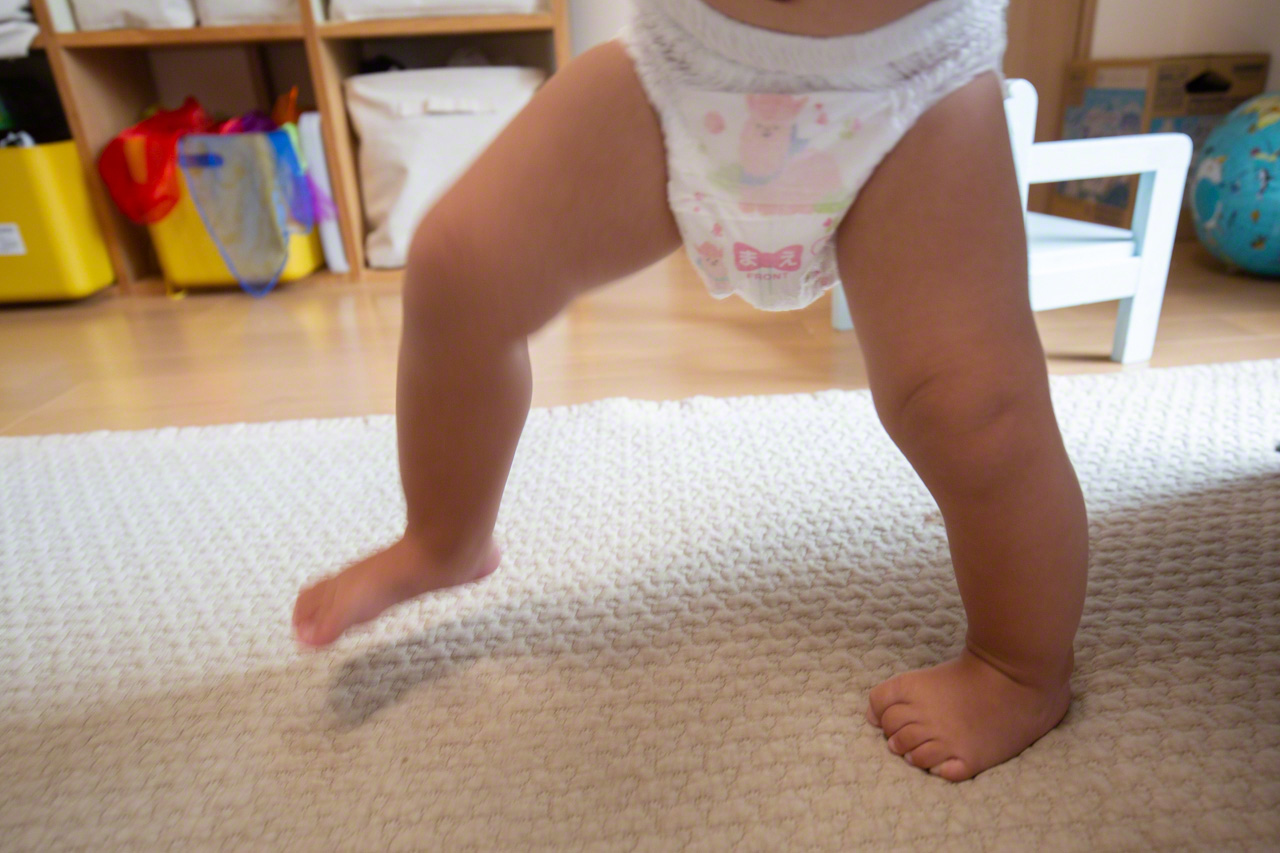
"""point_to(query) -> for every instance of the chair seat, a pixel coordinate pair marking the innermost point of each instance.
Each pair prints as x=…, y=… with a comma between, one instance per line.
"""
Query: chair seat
x=1055, y=242
x=1077, y=263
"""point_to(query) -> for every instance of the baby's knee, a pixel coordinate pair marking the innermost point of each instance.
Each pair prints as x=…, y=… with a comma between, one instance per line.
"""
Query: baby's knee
x=968, y=424
x=450, y=287
x=461, y=281
x=439, y=273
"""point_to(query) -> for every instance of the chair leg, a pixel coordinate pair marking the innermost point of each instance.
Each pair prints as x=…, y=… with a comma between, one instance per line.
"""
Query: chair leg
x=1136, y=324
x=841, y=319
x=1155, y=221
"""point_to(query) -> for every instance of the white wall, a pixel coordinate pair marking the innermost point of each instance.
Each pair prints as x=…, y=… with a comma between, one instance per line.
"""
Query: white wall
x=594, y=21
x=1138, y=28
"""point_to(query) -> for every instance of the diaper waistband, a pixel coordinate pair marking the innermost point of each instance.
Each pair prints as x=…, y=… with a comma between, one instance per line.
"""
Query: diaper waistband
x=957, y=22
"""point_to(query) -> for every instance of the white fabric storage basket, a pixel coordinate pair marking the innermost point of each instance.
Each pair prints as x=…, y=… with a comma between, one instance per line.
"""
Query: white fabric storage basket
x=418, y=131
x=359, y=10
x=232, y=12
x=129, y=14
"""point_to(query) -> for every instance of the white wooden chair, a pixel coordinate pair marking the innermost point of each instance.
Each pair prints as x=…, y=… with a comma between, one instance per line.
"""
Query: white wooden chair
x=1077, y=263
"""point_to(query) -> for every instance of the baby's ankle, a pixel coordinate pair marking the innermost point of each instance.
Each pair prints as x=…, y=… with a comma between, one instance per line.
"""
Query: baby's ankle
x=1045, y=670
x=446, y=553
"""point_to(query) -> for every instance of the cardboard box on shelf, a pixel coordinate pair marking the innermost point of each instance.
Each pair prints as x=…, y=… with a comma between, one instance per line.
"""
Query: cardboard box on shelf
x=1186, y=94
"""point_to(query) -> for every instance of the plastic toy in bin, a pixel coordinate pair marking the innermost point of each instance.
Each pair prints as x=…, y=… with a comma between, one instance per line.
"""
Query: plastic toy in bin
x=252, y=194
x=228, y=202
x=140, y=166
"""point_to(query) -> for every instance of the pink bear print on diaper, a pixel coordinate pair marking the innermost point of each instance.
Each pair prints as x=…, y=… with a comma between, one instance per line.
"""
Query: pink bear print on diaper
x=778, y=176
x=711, y=262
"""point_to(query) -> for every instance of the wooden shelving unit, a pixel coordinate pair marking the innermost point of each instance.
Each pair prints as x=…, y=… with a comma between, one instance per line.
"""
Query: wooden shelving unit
x=106, y=80
x=190, y=35
x=468, y=25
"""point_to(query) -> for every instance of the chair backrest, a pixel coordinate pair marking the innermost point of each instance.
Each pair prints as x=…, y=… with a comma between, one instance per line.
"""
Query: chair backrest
x=1020, y=105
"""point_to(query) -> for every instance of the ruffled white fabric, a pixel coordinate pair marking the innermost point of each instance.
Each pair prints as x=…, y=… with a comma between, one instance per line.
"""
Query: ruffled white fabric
x=739, y=200
x=689, y=43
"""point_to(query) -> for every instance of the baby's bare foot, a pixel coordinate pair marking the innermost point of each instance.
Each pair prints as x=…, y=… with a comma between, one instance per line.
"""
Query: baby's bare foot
x=964, y=716
x=360, y=592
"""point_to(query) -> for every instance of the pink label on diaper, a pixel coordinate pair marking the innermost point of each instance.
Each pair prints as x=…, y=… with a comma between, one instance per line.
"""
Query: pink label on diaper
x=748, y=259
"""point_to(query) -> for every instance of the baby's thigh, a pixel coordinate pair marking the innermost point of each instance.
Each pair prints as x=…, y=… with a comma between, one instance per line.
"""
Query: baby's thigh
x=572, y=194
x=933, y=255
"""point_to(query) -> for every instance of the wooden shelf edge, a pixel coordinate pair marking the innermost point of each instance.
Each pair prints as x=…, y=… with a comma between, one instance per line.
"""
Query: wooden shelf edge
x=442, y=25
x=187, y=35
x=38, y=42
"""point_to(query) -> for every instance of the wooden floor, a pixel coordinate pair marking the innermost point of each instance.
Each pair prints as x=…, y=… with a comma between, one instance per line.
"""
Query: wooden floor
x=329, y=349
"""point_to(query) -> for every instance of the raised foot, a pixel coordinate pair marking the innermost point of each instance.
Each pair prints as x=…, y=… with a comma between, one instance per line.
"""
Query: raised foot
x=362, y=591
x=964, y=716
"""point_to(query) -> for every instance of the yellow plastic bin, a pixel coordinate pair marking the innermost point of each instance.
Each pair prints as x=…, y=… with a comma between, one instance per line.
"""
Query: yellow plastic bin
x=189, y=257
x=50, y=245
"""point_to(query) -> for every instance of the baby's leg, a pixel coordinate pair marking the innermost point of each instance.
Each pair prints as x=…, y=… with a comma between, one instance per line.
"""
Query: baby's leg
x=934, y=259
x=571, y=195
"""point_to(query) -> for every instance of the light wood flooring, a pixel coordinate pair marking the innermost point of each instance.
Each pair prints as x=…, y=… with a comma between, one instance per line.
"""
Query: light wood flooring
x=327, y=349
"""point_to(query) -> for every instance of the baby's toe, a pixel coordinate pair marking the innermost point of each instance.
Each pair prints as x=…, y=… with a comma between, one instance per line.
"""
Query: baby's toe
x=310, y=613
x=908, y=738
x=882, y=696
x=304, y=608
x=896, y=717
x=953, y=770
x=929, y=755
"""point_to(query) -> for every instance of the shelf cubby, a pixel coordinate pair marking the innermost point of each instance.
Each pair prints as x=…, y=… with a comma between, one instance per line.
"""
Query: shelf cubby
x=107, y=80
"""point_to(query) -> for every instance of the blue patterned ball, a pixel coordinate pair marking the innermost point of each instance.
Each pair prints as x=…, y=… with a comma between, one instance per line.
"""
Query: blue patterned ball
x=1236, y=188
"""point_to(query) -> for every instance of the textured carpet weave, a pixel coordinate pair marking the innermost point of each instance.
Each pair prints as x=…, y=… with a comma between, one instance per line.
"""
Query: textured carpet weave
x=696, y=598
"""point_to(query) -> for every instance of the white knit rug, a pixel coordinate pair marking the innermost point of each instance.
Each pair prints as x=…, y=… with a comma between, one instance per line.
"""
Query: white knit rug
x=676, y=655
